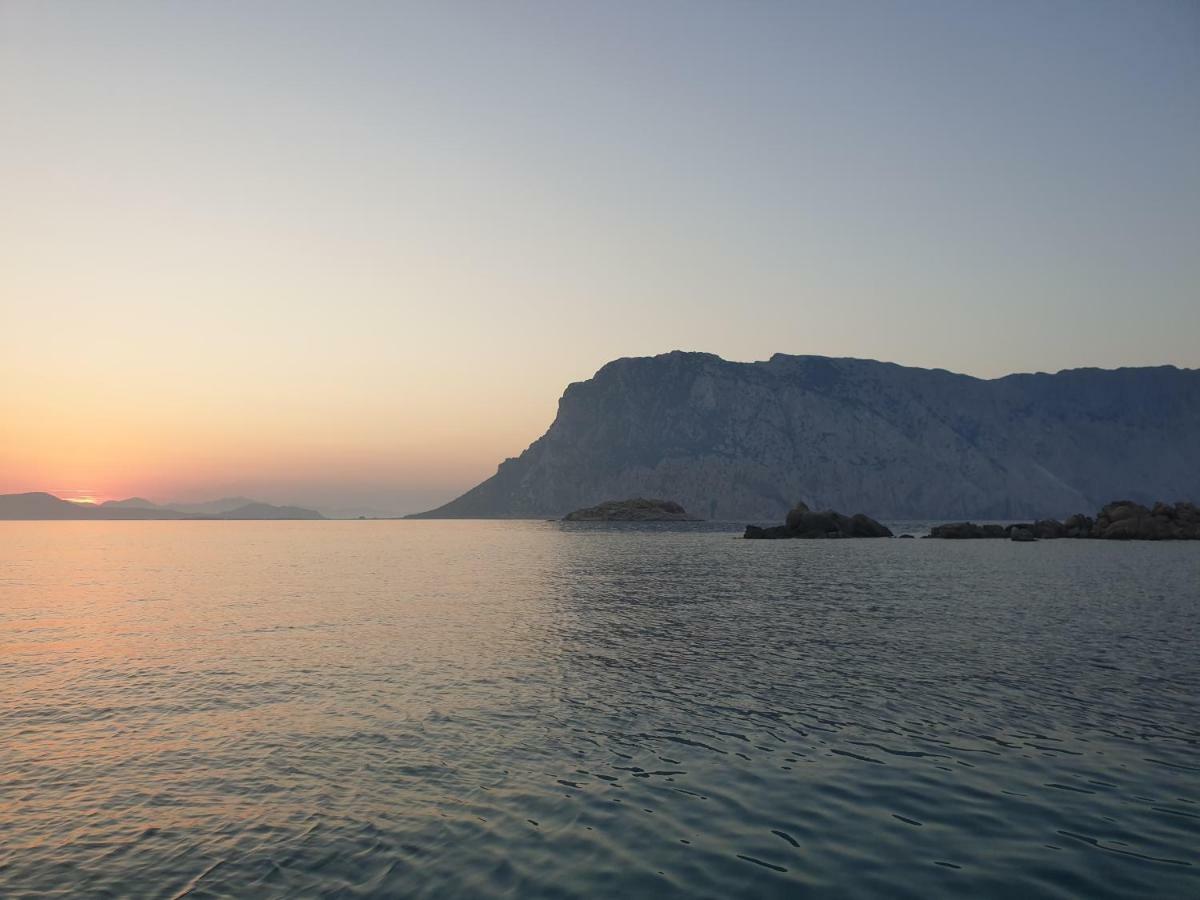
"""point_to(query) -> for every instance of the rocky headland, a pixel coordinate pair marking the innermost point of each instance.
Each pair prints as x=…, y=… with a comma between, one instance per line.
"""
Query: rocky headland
x=805, y=523
x=1120, y=520
x=636, y=509
x=738, y=441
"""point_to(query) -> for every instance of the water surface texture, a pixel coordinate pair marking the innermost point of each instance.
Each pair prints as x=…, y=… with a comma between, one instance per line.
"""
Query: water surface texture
x=530, y=709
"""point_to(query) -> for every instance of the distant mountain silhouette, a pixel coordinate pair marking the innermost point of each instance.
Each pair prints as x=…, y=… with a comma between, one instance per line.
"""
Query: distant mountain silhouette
x=267, y=511
x=214, y=507
x=131, y=503
x=41, y=505
x=38, y=505
x=746, y=441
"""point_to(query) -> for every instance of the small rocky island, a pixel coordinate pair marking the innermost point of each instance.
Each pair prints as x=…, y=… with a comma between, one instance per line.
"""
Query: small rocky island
x=637, y=509
x=1121, y=520
x=805, y=523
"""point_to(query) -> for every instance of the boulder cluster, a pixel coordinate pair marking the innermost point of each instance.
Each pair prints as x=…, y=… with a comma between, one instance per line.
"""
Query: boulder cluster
x=805, y=523
x=1121, y=520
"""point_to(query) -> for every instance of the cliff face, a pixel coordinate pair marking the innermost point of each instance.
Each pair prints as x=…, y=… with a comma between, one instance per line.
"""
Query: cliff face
x=747, y=440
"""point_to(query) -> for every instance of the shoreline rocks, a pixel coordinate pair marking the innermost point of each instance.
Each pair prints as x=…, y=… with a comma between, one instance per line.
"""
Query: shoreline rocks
x=804, y=523
x=960, y=531
x=1124, y=520
x=1120, y=520
x=636, y=509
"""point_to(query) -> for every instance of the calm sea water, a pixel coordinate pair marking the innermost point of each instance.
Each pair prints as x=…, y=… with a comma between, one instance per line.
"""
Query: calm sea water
x=529, y=709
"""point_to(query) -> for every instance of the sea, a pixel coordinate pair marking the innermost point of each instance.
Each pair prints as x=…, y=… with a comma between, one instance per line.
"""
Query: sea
x=529, y=709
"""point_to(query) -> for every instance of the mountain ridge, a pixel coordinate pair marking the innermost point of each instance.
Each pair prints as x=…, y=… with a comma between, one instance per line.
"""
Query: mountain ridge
x=41, y=505
x=748, y=439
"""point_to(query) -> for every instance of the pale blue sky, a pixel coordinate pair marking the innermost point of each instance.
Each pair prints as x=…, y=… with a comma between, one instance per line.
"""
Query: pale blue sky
x=389, y=234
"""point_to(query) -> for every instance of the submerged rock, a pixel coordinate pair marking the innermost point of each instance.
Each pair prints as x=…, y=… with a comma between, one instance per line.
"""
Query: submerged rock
x=802, y=522
x=637, y=509
x=957, y=531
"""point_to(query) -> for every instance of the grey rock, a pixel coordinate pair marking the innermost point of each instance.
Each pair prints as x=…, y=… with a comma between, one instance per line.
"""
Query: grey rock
x=1120, y=510
x=1078, y=526
x=1124, y=520
x=1120, y=520
x=957, y=531
x=1049, y=529
x=1187, y=514
x=803, y=523
x=796, y=514
x=862, y=526
x=739, y=440
x=637, y=509
x=754, y=532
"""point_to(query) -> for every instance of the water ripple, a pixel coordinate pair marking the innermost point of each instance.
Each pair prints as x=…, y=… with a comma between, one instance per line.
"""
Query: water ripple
x=523, y=709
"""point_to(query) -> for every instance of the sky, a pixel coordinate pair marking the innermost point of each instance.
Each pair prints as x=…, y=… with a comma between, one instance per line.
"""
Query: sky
x=350, y=254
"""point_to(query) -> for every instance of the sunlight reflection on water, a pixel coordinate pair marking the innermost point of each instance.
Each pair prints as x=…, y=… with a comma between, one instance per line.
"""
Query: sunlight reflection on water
x=535, y=709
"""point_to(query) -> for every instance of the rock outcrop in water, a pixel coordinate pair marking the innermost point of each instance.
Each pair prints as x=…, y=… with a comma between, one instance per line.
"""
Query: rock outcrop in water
x=1124, y=520
x=804, y=523
x=637, y=509
x=1121, y=520
x=967, y=531
x=738, y=441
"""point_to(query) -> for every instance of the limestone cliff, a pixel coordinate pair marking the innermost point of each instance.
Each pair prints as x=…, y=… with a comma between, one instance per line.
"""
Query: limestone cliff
x=746, y=441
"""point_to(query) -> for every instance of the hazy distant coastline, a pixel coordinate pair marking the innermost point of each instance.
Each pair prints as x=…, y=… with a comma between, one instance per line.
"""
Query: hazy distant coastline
x=40, y=505
x=734, y=441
